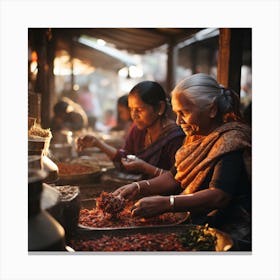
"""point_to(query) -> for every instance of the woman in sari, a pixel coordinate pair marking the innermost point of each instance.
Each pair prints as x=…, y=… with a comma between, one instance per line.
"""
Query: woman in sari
x=153, y=139
x=212, y=175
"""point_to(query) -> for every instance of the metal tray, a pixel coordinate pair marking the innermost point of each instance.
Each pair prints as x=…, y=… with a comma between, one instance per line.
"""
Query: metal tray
x=180, y=218
x=224, y=241
x=64, y=179
x=78, y=178
x=90, y=204
x=114, y=175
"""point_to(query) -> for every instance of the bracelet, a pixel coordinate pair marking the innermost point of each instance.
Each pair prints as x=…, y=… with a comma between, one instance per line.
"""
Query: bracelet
x=155, y=173
x=172, y=201
x=147, y=182
x=138, y=186
x=161, y=171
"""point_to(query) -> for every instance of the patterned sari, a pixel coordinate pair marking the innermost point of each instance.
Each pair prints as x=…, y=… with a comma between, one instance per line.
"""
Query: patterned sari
x=199, y=154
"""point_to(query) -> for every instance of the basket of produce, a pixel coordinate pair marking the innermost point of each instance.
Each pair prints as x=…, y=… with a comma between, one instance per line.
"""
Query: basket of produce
x=38, y=140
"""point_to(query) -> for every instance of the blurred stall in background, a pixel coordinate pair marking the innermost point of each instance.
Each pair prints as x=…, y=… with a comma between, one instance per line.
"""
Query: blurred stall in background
x=95, y=66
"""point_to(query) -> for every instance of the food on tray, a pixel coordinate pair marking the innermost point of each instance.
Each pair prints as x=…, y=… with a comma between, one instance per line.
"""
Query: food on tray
x=94, y=161
x=206, y=241
x=98, y=159
x=109, y=203
x=199, y=238
x=96, y=218
x=75, y=169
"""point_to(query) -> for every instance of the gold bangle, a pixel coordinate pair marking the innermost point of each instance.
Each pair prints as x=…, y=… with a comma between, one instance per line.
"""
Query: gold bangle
x=161, y=171
x=138, y=186
x=155, y=173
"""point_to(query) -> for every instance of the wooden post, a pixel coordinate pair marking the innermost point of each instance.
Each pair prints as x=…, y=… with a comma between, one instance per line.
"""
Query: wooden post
x=193, y=58
x=71, y=53
x=51, y=95
x=171, y=62
x=230, y=57
x=44, y=85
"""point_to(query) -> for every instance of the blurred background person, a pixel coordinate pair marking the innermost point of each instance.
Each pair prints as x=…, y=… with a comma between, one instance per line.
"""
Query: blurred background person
x=87, y=100
x=68, y=115
x=109, y=121
x=124, y=119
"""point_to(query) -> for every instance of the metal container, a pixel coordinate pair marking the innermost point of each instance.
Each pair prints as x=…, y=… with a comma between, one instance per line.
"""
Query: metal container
x=39, y=148
x=44, y=232
x=67, y=210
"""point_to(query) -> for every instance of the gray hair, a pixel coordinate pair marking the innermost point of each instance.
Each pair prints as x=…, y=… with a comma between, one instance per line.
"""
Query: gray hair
x=203, y=90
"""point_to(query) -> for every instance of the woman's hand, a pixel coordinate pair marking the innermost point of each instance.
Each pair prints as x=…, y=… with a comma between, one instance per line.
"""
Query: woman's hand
x=151, y=206
x=136, y=164
x=129, y=192
x=86, y=141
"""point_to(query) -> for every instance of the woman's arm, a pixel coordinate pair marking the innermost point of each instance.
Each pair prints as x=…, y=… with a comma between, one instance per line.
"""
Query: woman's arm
x=142, y=166
x=198, y=203
x=221, y=188
x=161, y=185
x=107, y=149
x=202, y=201
x=91, y=141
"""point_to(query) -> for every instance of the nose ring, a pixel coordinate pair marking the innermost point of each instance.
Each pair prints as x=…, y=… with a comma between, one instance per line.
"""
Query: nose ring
x=181, y=121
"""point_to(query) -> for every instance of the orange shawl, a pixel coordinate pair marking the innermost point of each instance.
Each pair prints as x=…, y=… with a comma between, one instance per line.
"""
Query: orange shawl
x=198, y=154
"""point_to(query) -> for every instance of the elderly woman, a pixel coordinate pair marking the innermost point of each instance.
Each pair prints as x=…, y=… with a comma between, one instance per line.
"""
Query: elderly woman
x=211, y=178
x=153, y=139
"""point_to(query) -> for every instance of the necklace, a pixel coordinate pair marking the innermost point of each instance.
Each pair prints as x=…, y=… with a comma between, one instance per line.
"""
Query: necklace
x=149, y=140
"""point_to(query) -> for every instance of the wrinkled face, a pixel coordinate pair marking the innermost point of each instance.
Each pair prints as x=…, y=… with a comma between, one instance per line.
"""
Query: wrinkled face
x=124, y=113
x=189, y=116
x=142, y=114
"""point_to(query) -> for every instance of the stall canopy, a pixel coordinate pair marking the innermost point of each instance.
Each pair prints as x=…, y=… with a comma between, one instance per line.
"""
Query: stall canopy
x=50, y=42
x=131, y=40
x=54, y=42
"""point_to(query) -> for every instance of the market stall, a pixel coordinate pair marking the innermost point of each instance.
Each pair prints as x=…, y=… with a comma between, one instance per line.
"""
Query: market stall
x=72, y=196
x=78, y=183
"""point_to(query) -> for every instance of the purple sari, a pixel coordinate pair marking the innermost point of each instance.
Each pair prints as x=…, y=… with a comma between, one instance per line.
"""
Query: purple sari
x=161, y=153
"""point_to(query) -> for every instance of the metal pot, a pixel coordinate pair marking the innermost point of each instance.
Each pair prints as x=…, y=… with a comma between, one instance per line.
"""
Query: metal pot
x=44, y=232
